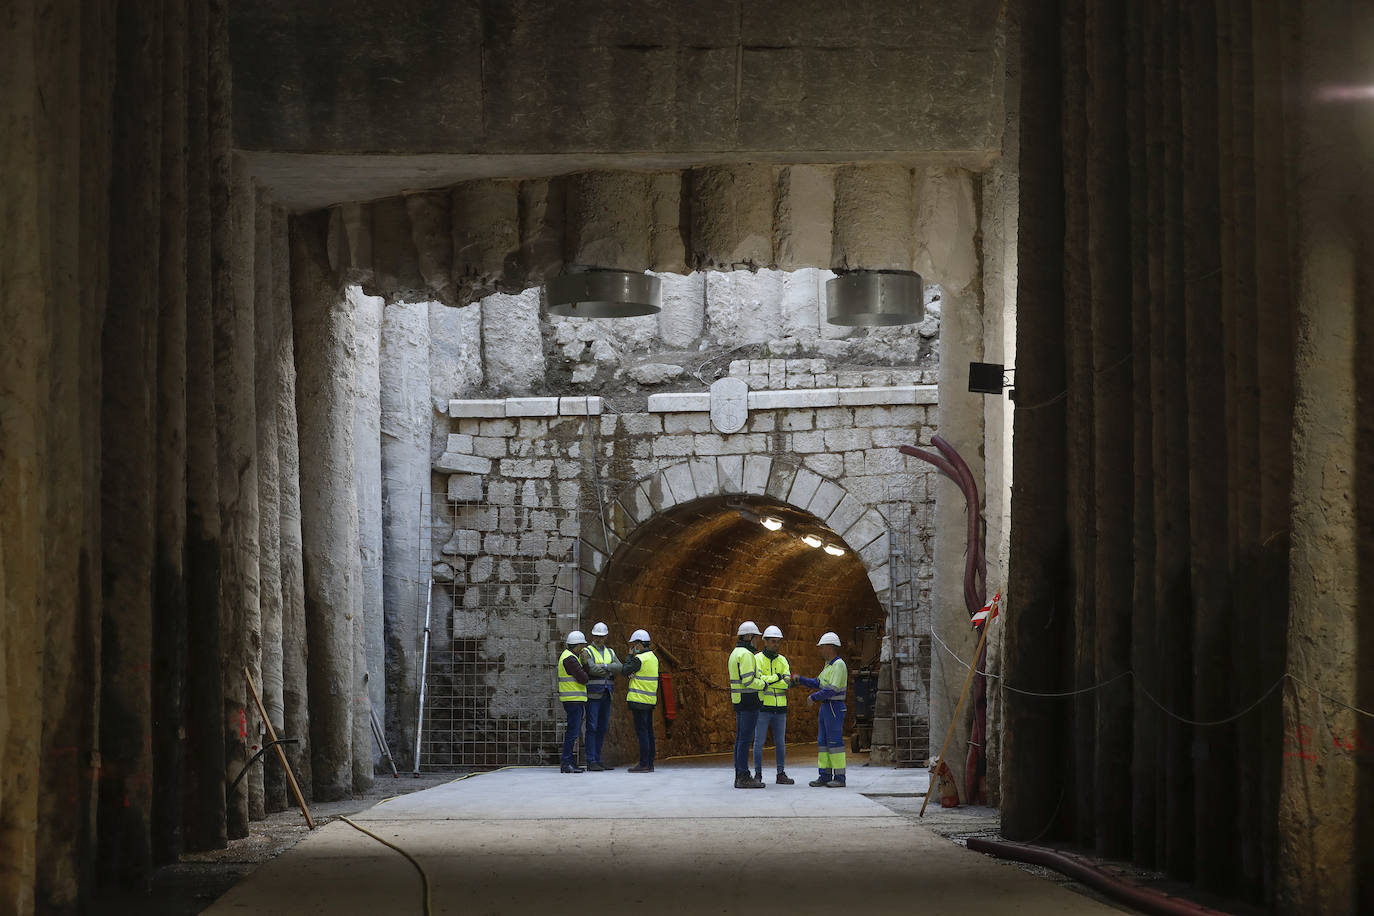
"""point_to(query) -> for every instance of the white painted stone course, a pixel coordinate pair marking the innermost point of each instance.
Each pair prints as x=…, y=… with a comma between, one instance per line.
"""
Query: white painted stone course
x=476, y=408
x=579, y=407
x=532, y=407
x=677, y=402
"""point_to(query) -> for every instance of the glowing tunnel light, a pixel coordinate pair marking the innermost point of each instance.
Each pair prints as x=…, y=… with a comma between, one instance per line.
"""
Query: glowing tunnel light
x=771, y=523
x=834, y=550
x=810, y=540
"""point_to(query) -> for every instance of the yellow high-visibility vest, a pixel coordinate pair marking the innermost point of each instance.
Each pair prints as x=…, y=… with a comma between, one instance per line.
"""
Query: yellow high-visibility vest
x=644, y=682
x=599, y=657
x=774, y=696
x=744, y=674
x=569, y=690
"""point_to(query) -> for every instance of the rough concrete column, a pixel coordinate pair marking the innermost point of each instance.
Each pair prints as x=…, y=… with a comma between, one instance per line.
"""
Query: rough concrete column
x=367, y=480
x=946, y=222
x=205, y=812
x=406, y=419
x=999, y=229
x=128, y=448
x=235, y=417
x=608, y=219
x=874, y=216
x=1317, y=805
x=295, y=695
x=486, y=236
x=77, y=157
x=23, y=472
x=169, y=612
x=323, y=327
x=732, y=211
x=267, y=386
x=512, y=341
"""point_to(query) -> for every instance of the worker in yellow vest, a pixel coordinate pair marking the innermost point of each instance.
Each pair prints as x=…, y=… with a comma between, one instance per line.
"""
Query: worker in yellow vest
x=772, y=663
x=641, y=668
x=572, y=692
x=601, y=663
x=829, y=694
x=745, y=684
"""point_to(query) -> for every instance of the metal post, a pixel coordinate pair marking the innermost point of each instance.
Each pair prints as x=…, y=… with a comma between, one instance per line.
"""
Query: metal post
x=424, y=671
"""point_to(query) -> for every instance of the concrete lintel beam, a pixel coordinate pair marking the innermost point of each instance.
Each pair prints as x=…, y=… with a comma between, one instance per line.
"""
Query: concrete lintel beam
x=864, y=397
x=484, y=409
x=794, y=398
x=680, y=402
x=579, y=407
x=532, y=407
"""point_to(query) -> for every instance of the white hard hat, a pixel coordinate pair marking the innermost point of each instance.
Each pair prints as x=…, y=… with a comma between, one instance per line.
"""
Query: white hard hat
x=829, y=639
x=748, y=628
x=639, y=636
x=575, y=638
x=772, y=633
x=600, y=629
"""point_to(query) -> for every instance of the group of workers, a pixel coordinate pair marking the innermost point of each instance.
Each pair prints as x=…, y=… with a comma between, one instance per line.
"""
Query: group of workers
x=760, y=677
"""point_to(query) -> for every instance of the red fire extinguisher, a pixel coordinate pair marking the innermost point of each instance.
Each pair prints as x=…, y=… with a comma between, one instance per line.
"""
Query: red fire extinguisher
x=665, y=680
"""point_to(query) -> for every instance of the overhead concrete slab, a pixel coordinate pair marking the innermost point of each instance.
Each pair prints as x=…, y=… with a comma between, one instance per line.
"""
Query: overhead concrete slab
x=680, y=840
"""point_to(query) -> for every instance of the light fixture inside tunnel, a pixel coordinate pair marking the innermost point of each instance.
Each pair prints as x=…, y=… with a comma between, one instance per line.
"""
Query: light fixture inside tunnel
x=600, y=293
x=810, y=540
x=875, y=298
x=834, y=550
x=771, y=523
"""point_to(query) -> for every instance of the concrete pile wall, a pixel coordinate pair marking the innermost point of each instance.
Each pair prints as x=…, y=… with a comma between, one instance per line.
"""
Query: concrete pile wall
x=151, y=529
x=1191, y=513
x=461, y=243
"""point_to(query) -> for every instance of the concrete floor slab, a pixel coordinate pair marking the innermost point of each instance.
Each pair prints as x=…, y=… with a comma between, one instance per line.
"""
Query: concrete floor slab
x=681, y=840
x=540, y=793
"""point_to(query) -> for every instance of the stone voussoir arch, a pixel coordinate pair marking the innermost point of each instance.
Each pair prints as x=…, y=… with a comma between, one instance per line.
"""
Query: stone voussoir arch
x=862, y=528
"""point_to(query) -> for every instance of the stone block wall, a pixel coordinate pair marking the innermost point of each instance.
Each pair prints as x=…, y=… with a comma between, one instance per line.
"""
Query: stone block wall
x=535, y=497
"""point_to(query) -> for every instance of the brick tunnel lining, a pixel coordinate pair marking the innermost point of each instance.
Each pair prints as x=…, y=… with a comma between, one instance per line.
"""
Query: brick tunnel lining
x=689, y=576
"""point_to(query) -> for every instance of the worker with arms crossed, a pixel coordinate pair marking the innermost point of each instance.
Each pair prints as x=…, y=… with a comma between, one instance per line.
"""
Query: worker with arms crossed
x=745, y=683
x=829, y=693
x=572, y=691
x=774, y=713
x=598, y=658
x=641, y=668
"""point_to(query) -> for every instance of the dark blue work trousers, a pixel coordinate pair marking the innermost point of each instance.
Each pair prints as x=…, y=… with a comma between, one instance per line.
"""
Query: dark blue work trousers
x=746, y=724
x=598, y=719
x=574, y=712
x=644, y=731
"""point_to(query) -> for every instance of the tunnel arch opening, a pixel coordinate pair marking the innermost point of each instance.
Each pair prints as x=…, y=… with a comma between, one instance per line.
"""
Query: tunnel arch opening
x=691, y=573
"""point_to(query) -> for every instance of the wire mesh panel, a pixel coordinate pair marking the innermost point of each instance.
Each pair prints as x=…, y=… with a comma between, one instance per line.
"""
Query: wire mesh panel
x=907, y=509
x=497, y=627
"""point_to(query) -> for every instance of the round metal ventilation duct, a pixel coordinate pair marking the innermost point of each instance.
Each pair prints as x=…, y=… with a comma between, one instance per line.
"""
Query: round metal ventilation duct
x=875, y=298
x=604, y=294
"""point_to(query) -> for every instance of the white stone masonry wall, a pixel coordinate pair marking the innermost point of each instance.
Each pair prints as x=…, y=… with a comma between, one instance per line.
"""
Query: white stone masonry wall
x=516, y=475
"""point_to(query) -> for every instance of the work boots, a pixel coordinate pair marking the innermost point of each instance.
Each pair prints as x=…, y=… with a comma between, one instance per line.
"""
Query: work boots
x=823, y=780
x=758, y=776
x=746, y=781
x=784, y=780
x=837, y=782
